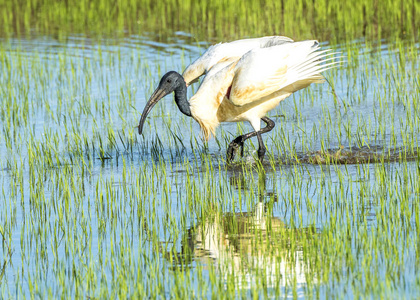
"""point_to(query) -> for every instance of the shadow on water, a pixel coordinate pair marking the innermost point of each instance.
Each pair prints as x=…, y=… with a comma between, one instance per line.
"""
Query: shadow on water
x=358, y=155
x=250, y=245
x=342, y=155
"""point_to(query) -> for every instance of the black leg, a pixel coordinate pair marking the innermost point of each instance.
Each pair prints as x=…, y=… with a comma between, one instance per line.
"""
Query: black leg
x=261, y=147
x=239, y=141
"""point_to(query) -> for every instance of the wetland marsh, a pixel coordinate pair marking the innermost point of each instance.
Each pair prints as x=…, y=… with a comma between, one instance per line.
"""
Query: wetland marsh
x=90, y=209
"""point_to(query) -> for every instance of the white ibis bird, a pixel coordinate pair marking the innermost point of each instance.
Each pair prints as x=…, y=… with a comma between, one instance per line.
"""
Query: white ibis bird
x=244, y=85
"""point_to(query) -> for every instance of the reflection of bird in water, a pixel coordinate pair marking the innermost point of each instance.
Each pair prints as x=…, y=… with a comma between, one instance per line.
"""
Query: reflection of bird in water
x=247, y=245
x=241, y=244
x=244, y=84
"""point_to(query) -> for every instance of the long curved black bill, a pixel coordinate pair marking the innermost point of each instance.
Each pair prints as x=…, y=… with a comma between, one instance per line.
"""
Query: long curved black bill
x=156, y=96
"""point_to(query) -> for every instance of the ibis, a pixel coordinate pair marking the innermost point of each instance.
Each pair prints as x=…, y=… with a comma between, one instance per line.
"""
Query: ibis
x=244, y=80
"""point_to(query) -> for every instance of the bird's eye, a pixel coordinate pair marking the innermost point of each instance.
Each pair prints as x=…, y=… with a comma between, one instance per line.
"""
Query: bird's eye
x=168, y=81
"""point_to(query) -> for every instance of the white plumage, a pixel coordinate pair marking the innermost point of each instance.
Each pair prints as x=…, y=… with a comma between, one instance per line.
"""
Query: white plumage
x=246, y=89
x=244, y=80
x=228, y=52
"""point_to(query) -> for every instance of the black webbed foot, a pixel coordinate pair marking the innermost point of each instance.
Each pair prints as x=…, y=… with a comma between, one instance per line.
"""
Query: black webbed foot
x=261, y=153
x=236, y=144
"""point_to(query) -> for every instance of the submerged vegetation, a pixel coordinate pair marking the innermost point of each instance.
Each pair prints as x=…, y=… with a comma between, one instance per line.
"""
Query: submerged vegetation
x=89, y=209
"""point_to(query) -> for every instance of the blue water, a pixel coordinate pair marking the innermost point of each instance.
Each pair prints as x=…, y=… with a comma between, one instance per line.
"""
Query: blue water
x=81, y=98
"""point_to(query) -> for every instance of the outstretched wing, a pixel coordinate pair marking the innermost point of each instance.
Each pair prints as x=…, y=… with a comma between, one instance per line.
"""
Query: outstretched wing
x=290, y=66
x=228, y=52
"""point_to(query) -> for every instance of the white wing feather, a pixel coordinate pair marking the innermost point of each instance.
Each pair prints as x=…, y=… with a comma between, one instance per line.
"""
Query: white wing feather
x=228, y=52
x=290, y=66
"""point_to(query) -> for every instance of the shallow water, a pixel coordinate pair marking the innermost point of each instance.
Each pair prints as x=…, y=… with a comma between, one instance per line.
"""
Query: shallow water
x=91, y=209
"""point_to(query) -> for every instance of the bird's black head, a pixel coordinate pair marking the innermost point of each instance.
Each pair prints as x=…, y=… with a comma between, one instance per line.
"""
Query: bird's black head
x=170, y=82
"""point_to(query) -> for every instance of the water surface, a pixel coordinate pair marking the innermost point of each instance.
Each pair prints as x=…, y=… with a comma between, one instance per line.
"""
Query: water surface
x=91, y=209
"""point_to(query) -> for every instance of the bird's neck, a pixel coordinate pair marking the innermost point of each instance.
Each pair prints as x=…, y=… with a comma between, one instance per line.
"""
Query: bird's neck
x=181, y=100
